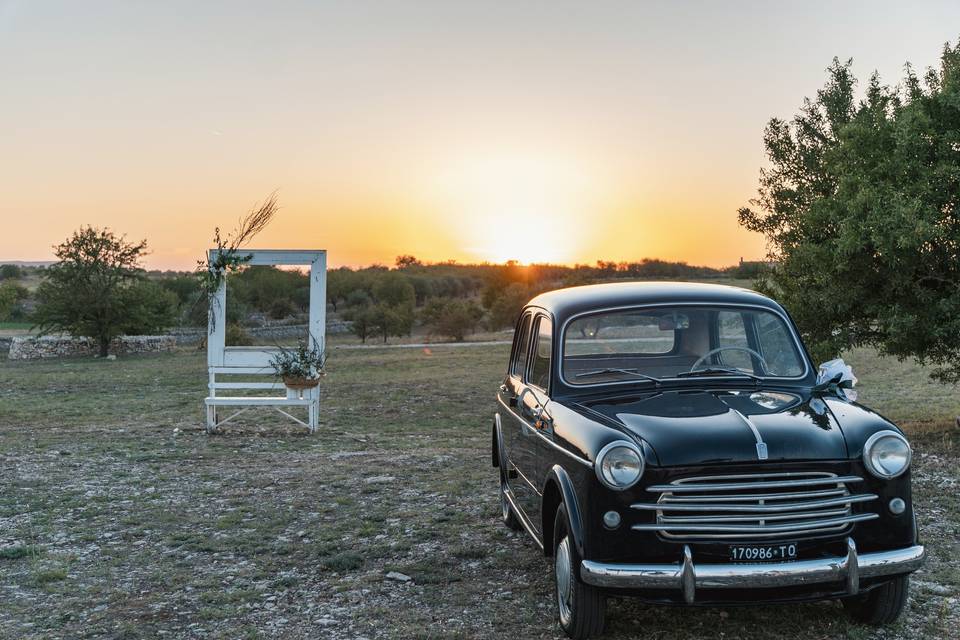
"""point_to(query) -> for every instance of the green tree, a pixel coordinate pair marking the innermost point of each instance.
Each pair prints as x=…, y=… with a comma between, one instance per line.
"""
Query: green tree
x=11, y=294
x=359, y=311
x=451, y=317
x=95, y=288
x=148, y=307
x=10, y=271
x=861, y=210
x=504, y=309
x=391, y=320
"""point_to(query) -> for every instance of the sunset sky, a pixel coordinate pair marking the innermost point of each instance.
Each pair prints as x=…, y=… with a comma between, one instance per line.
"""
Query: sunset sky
x=539, y=131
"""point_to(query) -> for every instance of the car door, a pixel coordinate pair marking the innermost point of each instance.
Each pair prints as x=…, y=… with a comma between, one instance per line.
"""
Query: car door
x=518, y=405
x=533, y=405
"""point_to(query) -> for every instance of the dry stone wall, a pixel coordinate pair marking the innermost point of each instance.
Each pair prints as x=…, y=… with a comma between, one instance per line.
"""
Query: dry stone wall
x=39, y=347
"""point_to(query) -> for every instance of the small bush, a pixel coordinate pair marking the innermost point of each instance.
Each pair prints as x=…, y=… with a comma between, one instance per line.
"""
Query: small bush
x=18, y=551
x=282, y=308
x=237, y=336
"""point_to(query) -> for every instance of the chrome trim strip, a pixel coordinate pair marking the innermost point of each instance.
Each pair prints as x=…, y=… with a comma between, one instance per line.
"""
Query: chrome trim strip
x=761, y=445
x=797, y=343
x=524, y=478
x=805, y=527
x=587, y=463
x=755, y=508
x=748, y=576
x=763, y=484
x=746, y=497
x=517, y=511
x=835, y=513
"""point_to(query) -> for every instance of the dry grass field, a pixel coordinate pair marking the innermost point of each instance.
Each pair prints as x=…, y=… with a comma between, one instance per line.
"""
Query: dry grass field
x=121, y=518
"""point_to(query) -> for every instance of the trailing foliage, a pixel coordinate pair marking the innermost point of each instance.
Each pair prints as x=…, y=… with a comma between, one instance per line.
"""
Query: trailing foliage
x=861, y=210
x=227, y=258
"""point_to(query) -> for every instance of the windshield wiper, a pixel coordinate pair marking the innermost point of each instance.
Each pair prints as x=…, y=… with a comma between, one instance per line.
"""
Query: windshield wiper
x=712, y=371
x=629, y=372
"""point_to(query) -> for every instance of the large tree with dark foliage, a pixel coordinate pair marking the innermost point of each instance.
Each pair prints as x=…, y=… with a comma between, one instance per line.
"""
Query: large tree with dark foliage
x=97, y=289
x=861, y=209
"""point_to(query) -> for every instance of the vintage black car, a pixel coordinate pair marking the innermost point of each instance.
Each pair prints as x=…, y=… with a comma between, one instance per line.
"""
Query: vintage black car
x=670, y=441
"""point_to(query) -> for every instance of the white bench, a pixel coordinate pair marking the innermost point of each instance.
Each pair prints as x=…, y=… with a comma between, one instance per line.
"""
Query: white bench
x=308, y=398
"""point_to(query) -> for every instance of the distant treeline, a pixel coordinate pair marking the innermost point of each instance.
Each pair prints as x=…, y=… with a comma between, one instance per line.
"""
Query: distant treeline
x=446, y=298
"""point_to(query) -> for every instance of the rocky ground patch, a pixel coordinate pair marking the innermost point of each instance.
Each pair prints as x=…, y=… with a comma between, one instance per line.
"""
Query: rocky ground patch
x=121, y=518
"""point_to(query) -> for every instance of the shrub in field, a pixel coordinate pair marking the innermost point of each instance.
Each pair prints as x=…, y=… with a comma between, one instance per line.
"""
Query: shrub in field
x=11, y=295
x=97, y=289
x=237, y=336
x=860, y=208
x=504, y=309
x=10, y=271
x=451, y=317
x=282, y=308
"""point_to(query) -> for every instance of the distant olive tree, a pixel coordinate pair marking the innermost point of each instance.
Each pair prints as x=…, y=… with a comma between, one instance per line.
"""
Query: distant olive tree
x=861, y=210
x=97, y=288
x=451, y=317
x=10, y=271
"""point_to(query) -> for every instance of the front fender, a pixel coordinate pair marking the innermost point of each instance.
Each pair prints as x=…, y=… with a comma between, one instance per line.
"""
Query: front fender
x=558, y=477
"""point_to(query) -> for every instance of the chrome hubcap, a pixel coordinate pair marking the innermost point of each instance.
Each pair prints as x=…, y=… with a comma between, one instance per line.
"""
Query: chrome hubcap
x=564, y=571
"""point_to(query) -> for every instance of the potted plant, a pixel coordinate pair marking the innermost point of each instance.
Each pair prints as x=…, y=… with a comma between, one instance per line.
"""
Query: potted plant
x=299, y=368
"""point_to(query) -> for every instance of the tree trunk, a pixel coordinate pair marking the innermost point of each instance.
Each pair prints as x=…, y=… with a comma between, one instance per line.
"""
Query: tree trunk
x=104, y=345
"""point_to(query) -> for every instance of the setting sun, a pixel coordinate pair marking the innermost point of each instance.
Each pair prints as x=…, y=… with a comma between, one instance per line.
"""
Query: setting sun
x=519, y=206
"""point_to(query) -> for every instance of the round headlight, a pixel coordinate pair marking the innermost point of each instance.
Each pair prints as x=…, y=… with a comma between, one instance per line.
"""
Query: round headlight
x=619, y=465
x=886, y=454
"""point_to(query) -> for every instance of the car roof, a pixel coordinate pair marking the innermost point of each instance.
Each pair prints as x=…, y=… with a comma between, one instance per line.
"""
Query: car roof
x=563, y=303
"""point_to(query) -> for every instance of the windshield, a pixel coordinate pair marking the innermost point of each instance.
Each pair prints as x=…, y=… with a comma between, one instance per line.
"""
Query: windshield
x=677, y=342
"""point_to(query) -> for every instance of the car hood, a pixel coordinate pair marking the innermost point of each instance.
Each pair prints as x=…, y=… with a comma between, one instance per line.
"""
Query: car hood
x=704, y=427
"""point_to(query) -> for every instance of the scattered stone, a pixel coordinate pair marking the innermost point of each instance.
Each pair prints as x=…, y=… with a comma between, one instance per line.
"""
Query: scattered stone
x=379, y=479
x=399, y=577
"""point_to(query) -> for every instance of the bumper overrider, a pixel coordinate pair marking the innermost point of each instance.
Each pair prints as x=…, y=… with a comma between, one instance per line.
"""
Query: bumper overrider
x=688, y=577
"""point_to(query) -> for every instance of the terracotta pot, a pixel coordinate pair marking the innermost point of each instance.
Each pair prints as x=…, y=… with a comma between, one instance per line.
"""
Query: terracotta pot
x=300, y=383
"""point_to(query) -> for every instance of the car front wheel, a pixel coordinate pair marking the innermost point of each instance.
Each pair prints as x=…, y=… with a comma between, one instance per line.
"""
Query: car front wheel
x=880, y=606
x=580, y=607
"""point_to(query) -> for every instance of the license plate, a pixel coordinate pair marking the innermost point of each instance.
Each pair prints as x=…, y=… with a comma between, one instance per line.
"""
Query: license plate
x=763, y=552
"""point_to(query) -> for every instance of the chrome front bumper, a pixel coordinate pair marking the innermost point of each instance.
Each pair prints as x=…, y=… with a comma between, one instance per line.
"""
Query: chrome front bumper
x=688, y=577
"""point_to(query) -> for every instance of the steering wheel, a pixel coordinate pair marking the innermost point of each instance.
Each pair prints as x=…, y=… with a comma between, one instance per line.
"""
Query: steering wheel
x=729, y=348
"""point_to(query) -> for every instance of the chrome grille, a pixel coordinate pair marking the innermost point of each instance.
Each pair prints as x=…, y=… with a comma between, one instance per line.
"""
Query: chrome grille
x=759, y=506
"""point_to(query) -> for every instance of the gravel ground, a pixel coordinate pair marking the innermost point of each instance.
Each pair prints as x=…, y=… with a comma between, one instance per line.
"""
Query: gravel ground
x=121, y=518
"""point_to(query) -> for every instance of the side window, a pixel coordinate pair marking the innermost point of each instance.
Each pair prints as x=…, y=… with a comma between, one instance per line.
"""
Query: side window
x=521, y=346
x=540, y=370
x=733, y=333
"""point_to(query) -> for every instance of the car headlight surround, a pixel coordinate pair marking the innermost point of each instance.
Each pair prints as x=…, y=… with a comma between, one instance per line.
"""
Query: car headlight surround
x=887, y=454
x=620, y=465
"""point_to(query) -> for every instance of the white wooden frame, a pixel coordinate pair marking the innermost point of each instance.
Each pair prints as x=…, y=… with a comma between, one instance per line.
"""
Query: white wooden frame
x=226, y=361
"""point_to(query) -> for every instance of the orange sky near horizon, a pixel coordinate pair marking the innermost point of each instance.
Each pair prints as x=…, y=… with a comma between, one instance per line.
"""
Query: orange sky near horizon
x=563, y=132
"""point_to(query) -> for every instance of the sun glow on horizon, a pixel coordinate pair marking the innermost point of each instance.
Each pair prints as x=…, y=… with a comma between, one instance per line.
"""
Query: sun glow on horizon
x=527, y=207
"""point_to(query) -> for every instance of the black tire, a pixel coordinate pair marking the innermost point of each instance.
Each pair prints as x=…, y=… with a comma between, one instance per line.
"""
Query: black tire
x=881, y=606
x=510, y=519
x=581, y=608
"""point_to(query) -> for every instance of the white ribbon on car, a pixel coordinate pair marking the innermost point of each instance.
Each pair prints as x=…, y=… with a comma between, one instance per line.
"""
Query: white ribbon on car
x=839, y=373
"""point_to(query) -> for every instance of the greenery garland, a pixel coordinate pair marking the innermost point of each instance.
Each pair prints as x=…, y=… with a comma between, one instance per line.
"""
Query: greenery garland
x=227, y=256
